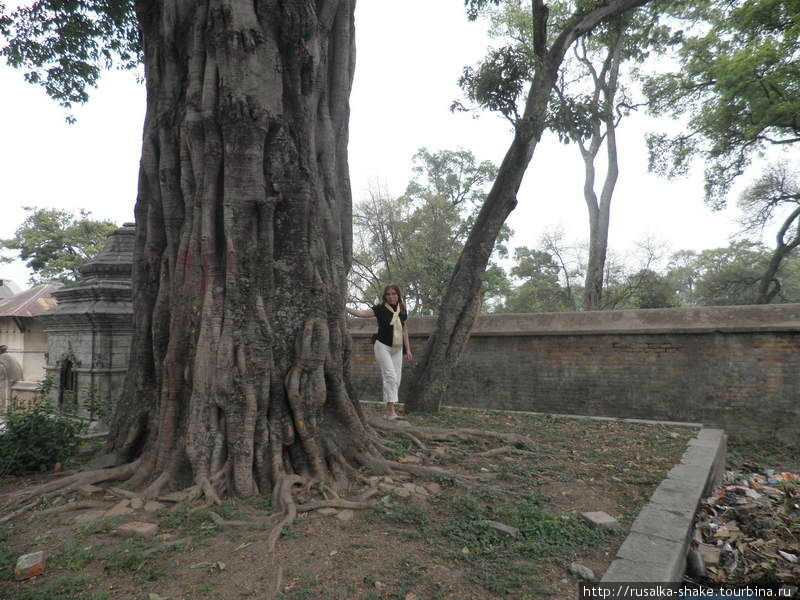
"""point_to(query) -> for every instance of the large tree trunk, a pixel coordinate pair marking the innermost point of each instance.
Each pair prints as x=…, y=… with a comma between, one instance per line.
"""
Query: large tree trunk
x=239, y=365
x=461, y=302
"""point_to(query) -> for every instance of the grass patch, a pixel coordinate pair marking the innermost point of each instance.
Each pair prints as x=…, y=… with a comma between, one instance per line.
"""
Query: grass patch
x=75, y=556
x=187, y=523
x=71, y=587
x=495, y=555
x=136, y=557
x=763, y=454
x=7, y=556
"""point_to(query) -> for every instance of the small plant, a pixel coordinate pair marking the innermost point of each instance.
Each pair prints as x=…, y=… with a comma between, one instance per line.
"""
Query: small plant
x=98, y=405
x=37, y=440
x=136, y=557
x=45, y=386
x=69, y=402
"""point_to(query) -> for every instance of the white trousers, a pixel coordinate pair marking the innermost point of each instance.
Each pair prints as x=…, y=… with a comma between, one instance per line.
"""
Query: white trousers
x=391, y=366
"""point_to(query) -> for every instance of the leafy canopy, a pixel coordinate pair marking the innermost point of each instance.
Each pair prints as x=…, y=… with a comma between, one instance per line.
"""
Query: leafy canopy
x=730, y=276
x=63, y=45
x=55, y=243
x=738, y=82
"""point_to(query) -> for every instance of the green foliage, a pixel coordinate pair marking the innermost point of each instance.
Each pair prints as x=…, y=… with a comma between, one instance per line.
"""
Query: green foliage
x=415, y=240
x=588, y=91
x=730, y=275
x=541, y=289
x=767, y=453
x=495, y=556
x=97, y=404
x=55, y=243
x=137, y=556
x=63, y=45
x=650, y=289
x=738, y=82
x=36, y=440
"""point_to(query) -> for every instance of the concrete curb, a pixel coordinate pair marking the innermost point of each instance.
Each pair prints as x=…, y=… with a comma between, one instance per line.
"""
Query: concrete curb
x=655, y=549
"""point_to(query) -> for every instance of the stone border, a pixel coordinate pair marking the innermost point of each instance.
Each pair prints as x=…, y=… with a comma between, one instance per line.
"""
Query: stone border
x=656, y=546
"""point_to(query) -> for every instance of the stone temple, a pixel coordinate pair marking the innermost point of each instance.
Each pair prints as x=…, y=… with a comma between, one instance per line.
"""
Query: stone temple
x=89, y=333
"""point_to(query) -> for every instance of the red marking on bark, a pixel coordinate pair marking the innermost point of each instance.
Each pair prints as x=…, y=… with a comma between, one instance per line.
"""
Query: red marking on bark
x=188, y=260
x=203, y=283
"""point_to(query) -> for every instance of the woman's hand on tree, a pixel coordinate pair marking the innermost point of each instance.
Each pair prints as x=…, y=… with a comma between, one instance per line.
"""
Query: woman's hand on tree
x=364, y=314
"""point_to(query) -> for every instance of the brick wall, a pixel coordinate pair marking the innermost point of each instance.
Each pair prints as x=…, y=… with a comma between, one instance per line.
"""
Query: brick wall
x=733, y=367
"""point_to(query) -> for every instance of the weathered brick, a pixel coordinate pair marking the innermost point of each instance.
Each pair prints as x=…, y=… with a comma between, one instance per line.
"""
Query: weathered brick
x=29, y=565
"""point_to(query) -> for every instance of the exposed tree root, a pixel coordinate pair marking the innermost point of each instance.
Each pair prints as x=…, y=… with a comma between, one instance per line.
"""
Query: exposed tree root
x=414, y=439
x=218, y=520
x=283, y=495
x=19, y=511
x=69, y=507
x=340, y=471
x=380, y=463
x=65, y=485
x=124, y=493
x=338, y=503
x=445, y=435
x=504, y=450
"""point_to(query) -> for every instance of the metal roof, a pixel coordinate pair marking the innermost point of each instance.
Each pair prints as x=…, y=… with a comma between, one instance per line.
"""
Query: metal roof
x=30, y=303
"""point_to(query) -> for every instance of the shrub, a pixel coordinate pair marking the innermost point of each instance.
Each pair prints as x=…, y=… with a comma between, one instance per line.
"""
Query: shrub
x=36, y=440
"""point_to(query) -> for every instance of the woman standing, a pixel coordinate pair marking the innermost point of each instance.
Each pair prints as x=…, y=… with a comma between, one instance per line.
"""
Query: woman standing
x=390, y=343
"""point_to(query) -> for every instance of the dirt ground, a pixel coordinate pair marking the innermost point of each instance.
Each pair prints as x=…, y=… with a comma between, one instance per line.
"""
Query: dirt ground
x=424, y=538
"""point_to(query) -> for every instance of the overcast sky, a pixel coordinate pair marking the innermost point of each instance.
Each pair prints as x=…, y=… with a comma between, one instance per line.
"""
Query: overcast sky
x=410, y=54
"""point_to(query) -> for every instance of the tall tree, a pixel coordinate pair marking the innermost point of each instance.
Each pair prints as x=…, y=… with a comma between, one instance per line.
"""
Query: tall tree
x=55, y=243
x=415, y=240
x=588, y=104
x=239, y=363
x=497, y=86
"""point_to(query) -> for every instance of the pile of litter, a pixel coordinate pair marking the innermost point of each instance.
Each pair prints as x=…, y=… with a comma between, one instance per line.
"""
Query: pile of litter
x=748, y=533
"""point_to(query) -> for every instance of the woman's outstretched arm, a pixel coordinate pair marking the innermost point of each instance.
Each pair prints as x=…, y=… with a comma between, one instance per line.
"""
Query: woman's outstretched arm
x=364, y=314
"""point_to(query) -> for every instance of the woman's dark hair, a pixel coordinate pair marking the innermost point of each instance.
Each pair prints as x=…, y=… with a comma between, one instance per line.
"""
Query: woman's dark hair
x=393, y=286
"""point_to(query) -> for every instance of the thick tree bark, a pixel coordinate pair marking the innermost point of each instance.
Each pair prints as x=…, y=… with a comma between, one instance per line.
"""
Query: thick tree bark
x=461, y=303
x=605, y=86
x=239, y=364
x=769, y=286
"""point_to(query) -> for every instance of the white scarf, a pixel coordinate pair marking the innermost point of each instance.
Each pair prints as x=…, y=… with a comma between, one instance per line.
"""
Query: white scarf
x=397, y=327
